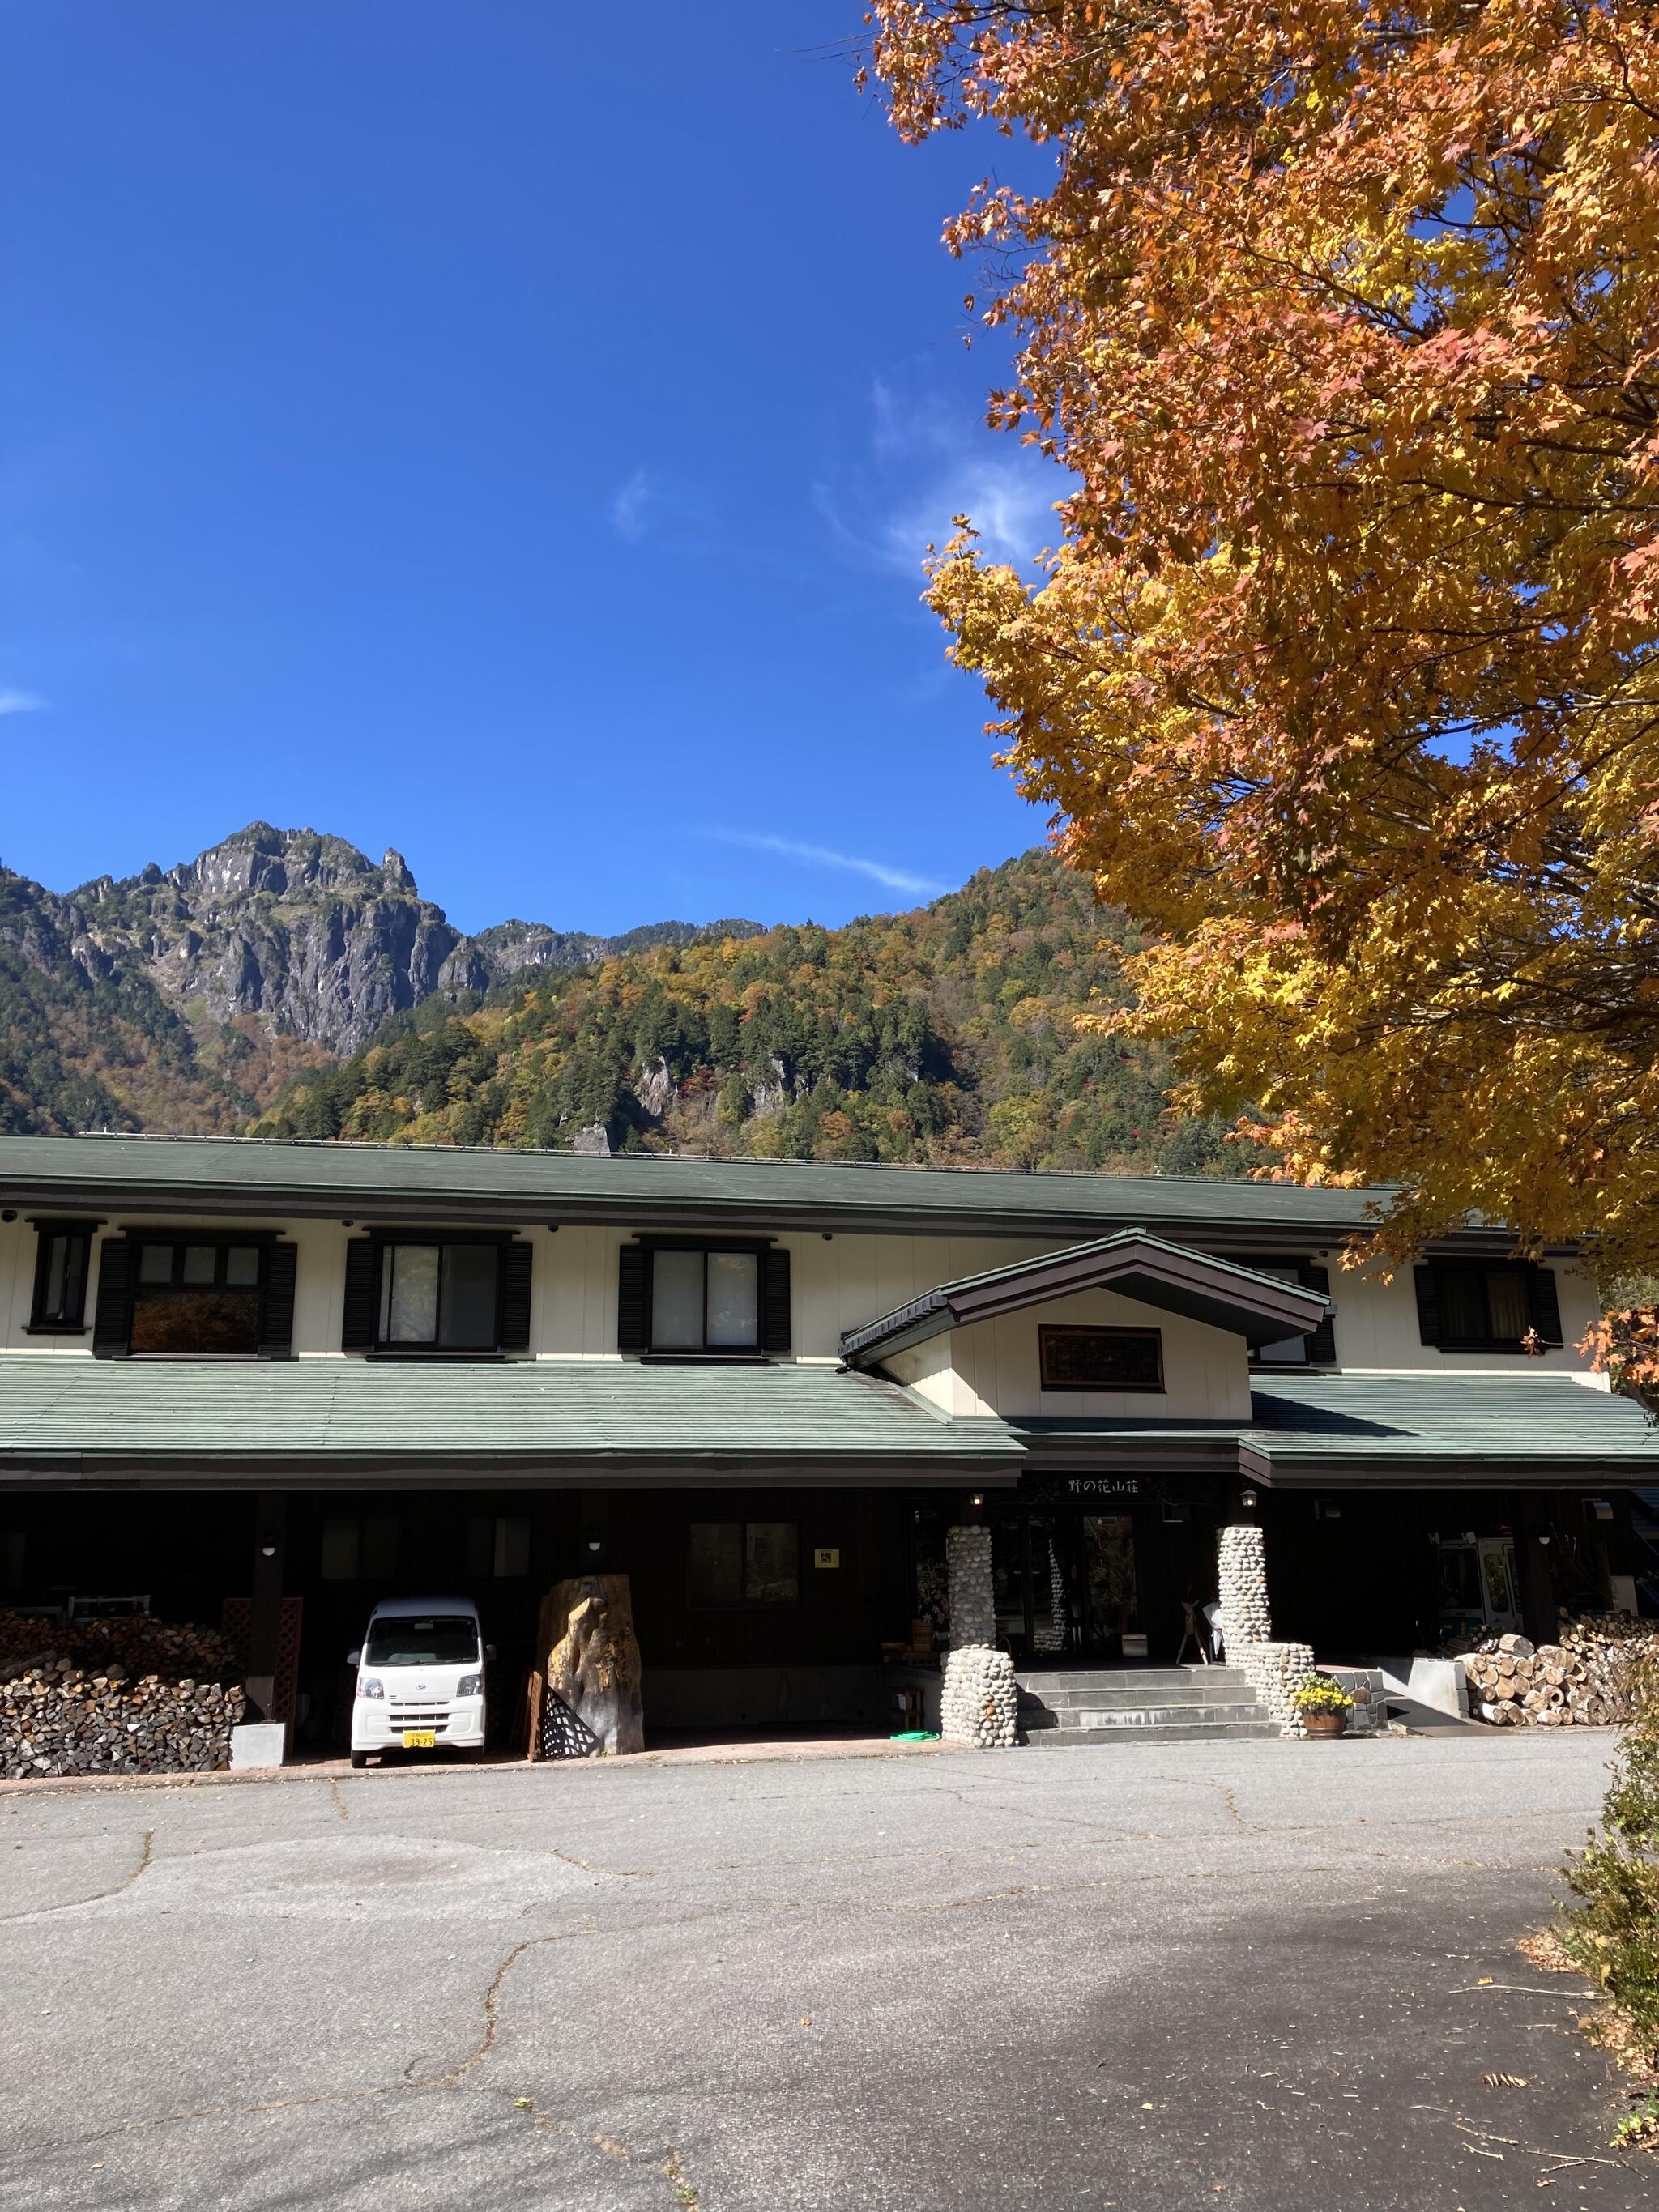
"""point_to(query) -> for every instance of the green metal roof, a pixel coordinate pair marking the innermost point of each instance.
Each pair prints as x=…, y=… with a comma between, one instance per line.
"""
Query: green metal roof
x=420, y=1182
x=65, y=1418
x=1400, y=1430
x=72, y=1414
x=1506, y=1420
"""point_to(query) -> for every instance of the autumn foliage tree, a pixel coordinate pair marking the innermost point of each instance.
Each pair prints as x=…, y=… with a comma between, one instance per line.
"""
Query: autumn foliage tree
x=1345, y=319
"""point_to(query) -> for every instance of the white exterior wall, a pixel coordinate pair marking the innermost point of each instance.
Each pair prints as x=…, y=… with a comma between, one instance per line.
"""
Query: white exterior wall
x=318, y=1279
x=1377, y=1328
x=841, y=1283
x=991, y=1366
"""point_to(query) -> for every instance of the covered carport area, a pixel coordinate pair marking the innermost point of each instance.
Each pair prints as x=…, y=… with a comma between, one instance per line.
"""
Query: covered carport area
x=281, y=1499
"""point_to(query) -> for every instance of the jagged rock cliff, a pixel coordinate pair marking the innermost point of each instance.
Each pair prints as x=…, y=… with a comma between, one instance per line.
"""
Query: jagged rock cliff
x=301, y=930
x=274, y=949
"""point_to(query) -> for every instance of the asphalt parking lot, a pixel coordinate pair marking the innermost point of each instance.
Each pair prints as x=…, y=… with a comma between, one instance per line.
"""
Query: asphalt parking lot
x=1265, y=1976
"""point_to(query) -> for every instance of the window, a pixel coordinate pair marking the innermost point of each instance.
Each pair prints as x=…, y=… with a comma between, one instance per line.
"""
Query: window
x=445, y=1639
x=360, y=1551
x=412, y=1295
x=497, y=1544
x=1474, y=1305
x=743, y=1563
x=680, y=1300
x=705, y=1301
x=438, y=1296
x=200, y=1297
x=62, y=1264
x=1318, y=1350
x=1101, y=1358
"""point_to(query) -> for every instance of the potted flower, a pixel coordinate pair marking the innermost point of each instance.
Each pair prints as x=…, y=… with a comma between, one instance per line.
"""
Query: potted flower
x=1323, y=1706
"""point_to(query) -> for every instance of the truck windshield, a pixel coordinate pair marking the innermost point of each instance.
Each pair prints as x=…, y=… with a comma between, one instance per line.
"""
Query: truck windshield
x=443, y=1640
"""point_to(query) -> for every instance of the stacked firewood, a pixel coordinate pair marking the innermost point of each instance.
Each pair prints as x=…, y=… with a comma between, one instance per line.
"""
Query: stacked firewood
x=1579, y=1681
x=134, y=1696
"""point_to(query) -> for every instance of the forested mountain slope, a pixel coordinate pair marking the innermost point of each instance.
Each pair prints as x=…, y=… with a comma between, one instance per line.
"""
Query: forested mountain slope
x=944, y=1033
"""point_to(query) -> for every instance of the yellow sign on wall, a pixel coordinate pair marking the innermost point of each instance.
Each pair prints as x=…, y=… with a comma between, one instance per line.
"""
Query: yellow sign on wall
x=826, y=1556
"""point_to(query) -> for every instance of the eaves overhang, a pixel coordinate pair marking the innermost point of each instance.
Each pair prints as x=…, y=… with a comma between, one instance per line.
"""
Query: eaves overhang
x=1150, y=1270
x=259, y=1178
x=67, y=1421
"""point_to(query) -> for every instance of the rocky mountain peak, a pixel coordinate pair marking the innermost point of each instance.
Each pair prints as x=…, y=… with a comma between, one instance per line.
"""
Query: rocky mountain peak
x=293, y=931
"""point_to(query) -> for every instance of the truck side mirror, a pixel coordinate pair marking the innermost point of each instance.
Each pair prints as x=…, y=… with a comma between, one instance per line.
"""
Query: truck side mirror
x=354, y=1658
x=490, y=1651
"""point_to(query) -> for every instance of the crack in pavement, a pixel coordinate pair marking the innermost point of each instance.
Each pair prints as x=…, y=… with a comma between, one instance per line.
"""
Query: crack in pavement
x=147, y=1852
x=486, y=2042
x=1025, y=1812
x=666, y=2161
x=1231, y=1804
x=491, y=2015
x=620, y=1874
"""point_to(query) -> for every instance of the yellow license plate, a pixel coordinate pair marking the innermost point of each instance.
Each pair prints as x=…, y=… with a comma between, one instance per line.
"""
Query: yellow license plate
x=420, y=1739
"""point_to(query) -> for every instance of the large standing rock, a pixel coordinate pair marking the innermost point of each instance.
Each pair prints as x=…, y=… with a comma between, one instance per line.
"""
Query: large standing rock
x=591, y=1698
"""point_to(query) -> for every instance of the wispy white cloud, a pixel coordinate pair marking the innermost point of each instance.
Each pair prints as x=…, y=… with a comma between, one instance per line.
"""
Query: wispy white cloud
x=628, y=507
x=824, y=856
x=930, y=465
x=20, y=703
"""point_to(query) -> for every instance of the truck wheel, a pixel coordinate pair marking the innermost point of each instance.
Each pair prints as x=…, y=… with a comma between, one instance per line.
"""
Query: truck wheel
x=359, y=1759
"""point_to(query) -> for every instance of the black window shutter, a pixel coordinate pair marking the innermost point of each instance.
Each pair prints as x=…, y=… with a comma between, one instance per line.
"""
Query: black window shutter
x=633, y=1299
x=276, y=1307
x=517, y=1260
x=1546, y=1303
x=357, y=1322
x=111, y=1327
x=775, y=1300
x=1322, y=1345
x=1428, y=1304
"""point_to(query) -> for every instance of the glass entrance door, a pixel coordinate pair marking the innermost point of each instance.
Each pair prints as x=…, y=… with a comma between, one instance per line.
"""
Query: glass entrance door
x=1064, y=1581
x=1108, y=1556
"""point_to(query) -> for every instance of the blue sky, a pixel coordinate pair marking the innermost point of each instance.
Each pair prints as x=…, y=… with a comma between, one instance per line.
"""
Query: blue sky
x=505, y=431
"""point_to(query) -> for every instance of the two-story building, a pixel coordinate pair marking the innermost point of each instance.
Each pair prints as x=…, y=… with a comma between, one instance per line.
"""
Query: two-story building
x=232, y=1369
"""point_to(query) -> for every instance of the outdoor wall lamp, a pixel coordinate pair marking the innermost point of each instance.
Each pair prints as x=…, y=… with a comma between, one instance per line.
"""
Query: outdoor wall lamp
x=977, y=1500
x=269, y=1551
x=1249, y=1501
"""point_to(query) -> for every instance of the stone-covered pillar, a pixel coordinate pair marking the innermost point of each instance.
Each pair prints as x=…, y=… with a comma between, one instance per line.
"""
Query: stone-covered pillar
x=979, y=1700
x=970, y=1593
x=1241, y=1586
x=1274, y=1671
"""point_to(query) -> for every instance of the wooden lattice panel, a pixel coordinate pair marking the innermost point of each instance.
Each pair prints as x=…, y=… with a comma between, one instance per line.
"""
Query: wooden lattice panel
x=235, y=1622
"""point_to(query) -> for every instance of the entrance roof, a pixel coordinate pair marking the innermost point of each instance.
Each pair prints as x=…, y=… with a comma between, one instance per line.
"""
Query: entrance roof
x=1388, y=1432
x=1137, y=1265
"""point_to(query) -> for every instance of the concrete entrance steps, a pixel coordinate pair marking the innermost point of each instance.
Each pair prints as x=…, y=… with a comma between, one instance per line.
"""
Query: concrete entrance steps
x=1140, y=1704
